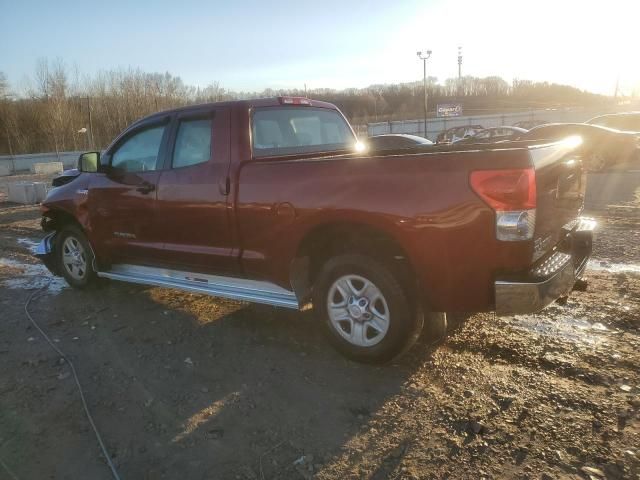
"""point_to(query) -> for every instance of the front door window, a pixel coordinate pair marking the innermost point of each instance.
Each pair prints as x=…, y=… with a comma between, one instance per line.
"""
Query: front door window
x=139, y=152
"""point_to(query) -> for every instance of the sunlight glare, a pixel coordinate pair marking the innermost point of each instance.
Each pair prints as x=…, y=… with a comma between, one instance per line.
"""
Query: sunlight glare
x=573, y=141
x=200, y=418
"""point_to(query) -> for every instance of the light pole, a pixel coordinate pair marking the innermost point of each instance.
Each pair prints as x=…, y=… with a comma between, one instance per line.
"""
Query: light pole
x=424, y=59
x=459, y=71
x=83, y=131
x=90, y=121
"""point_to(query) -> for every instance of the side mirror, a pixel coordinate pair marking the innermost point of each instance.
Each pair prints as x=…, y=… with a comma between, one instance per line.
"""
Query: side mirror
x=88, y=162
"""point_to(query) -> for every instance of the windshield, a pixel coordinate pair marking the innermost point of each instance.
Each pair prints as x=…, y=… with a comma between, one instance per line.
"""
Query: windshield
x=292, y=130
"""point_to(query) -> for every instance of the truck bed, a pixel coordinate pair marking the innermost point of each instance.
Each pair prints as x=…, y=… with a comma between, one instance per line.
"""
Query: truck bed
x=422, y=197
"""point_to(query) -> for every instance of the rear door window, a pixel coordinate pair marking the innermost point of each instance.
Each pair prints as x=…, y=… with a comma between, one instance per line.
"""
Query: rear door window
x=293, y=130
x=193, y=143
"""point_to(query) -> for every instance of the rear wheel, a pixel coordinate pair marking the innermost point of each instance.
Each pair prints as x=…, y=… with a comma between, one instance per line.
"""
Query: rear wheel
x=75, y=257
x=366, y=309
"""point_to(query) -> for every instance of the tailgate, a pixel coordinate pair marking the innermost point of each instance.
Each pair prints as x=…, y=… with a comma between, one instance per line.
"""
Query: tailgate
x=560, y=187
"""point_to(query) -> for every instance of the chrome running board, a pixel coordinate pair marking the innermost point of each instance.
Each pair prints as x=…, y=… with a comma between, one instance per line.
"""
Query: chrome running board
x=217, y=286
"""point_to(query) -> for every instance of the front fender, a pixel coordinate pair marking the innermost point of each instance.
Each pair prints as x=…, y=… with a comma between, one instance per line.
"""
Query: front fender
x=67, y=202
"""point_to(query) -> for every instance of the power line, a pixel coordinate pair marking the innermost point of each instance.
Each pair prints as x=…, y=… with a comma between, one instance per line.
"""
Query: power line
x=75, y=376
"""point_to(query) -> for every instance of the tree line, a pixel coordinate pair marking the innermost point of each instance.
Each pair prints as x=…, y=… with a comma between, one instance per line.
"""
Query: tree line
x=60, y=111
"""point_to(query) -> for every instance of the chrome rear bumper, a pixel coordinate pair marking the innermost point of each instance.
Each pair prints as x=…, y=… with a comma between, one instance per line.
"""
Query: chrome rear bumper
x=552, y=279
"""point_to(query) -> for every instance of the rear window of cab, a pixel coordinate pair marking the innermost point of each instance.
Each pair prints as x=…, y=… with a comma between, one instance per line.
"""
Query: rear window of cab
x=295, y=130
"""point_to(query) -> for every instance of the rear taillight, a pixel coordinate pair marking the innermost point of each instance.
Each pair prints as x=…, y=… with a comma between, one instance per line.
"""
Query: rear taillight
x=511, y=193
x=505, y=190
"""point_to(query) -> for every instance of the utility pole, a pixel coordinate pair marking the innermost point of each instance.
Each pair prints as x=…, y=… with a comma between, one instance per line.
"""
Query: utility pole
x=460, y=71
x=375, y=106
x=90, y=122
x=9, y=142
x=424, y=59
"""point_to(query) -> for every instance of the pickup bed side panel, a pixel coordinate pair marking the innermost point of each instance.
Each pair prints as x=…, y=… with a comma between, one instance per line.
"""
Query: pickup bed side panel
x=421, y=200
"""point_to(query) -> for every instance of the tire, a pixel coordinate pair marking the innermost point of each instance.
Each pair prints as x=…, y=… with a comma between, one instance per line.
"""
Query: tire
x=375, y=330
x=74, y=257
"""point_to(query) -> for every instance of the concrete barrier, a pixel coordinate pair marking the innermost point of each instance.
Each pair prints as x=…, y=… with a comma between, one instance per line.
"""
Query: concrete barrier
x=23, y=163
x=27, y=193
x=47, y=168
x=5, y=170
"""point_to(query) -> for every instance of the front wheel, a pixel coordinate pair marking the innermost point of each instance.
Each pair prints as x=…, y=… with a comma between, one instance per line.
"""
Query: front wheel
x=366, y=309
x=75, y=257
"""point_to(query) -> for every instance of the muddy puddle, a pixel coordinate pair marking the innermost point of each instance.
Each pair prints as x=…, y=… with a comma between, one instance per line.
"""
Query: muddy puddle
x=565, y=327
x=606, y=266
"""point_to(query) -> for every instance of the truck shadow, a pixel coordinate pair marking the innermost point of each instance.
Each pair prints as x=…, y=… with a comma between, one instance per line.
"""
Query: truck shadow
x=208, y=388
x=191, y=386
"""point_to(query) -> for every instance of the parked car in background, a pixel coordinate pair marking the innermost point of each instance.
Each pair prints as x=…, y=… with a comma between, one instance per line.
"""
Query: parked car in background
x=493, y=135
x=394, y=141
x=529, y=124
x=601, y=147
x=454, y=134
x=628, y=122
x=275, y=201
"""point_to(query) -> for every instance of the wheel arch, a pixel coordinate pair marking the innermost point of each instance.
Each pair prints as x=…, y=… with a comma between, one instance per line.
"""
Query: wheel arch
x=55, y=219
x=334, y=237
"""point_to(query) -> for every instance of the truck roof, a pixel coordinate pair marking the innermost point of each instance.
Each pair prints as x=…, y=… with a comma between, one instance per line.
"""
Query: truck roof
x=248, y=104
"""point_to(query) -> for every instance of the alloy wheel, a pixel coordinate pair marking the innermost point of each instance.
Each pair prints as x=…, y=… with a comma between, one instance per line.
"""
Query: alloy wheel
x=74, y=258
x=358, y=310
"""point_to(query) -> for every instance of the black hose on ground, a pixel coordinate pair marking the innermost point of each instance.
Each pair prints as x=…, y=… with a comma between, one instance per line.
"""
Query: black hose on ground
x=75, y=376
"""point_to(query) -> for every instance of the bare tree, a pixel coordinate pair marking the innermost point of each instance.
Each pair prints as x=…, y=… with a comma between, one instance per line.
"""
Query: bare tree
x=56, y=105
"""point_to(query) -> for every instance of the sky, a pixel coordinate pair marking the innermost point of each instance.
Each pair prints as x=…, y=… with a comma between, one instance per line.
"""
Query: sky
x=253, y=45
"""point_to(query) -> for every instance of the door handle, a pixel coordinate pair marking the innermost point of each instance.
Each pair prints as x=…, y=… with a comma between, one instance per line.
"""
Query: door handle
x=146, y=187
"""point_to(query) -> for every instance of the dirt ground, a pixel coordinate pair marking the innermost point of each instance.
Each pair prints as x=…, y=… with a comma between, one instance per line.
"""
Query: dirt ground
x=191, y=387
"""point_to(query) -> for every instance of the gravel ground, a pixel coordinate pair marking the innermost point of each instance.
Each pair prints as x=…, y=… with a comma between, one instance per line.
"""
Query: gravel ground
x=192, y=387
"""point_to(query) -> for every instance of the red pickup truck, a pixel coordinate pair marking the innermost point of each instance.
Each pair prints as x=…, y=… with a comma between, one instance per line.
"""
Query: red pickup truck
x=275, y=201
